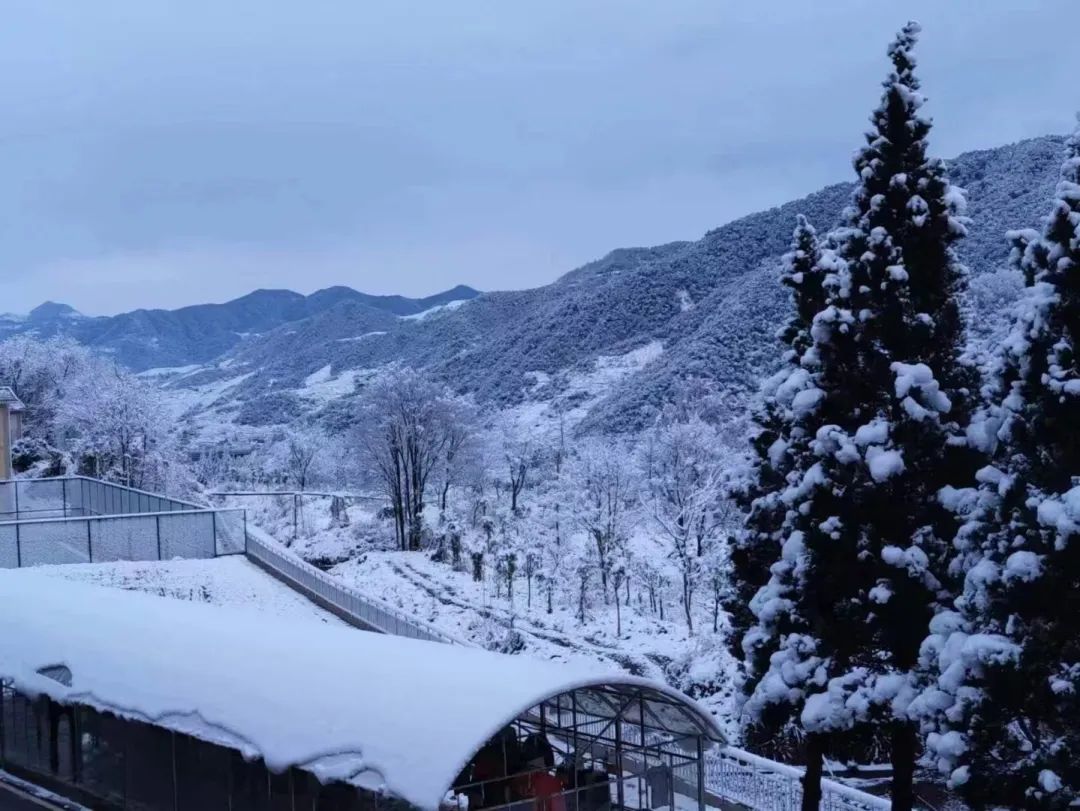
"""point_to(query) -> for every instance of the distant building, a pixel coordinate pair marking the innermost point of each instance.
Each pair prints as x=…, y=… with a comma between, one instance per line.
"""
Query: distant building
x=11, y=427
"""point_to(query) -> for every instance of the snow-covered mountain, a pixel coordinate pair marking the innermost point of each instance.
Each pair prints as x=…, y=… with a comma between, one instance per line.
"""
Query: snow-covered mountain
x=144, y=339
x=612, y=338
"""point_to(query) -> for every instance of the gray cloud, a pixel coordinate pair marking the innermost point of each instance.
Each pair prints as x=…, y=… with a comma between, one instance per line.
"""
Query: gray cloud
x=159, y=153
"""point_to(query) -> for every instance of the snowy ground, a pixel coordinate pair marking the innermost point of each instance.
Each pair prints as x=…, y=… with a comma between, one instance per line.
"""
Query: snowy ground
x=465, y=609
x=230, y=581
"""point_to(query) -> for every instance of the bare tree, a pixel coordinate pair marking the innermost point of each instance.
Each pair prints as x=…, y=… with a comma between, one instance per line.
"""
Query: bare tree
x=408, y=424
x=459, y=456
x=305, y=450
x=602, y=489
x=682, y=491
x=521, y=458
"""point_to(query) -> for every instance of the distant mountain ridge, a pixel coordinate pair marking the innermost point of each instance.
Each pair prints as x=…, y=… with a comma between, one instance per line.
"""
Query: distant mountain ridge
x=608, y=342
x=143, y=339
x=712, y=306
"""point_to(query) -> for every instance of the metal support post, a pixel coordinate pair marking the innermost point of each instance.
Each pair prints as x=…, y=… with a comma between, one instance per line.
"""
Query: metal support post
x=701, y=773
x=619, y=764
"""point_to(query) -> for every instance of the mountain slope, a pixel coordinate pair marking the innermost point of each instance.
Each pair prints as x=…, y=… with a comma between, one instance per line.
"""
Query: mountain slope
x=713, y=305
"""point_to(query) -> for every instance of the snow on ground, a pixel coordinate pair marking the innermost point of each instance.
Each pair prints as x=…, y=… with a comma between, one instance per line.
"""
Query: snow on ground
x=226, y=581
x=582, y=388
x=456, y=604
x=170, y=371
x=420, y=316
x=361, y=555
x=319, y=376
x=322, y=386
x=361, y=337
x=345, y=704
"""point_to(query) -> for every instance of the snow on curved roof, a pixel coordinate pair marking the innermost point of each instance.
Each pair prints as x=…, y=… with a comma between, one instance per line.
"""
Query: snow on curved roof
x=347, y=705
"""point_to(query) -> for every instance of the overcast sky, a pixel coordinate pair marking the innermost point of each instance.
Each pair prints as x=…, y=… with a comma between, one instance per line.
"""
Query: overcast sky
x=159, y=153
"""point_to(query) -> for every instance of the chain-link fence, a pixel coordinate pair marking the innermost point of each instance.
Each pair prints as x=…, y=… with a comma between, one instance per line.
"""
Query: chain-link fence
x=74, y=496
x=80, y=520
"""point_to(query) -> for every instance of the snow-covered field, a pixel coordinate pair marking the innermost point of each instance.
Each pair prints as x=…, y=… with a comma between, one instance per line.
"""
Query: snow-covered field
x=227, y=581
x=453, y=602
x=449, y=599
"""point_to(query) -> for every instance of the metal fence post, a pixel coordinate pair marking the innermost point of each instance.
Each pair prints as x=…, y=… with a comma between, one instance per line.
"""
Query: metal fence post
x=3, y=697
x=157, y=532
x=15, y=485
x=175, y=786
x=213, y=530
x=89, y=543
x=245, y=533
x=18, y=543
x=63, y=495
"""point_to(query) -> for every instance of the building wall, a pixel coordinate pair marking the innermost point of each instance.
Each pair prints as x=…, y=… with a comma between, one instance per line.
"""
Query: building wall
x=109, y=762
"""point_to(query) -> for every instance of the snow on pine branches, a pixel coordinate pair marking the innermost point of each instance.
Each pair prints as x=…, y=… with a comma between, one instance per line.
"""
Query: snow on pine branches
x=882, y=398
x=1002, y=712
x=757, y=615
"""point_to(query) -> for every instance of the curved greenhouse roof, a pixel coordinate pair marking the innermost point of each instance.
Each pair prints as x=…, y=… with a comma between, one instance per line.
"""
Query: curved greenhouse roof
x=376, y=711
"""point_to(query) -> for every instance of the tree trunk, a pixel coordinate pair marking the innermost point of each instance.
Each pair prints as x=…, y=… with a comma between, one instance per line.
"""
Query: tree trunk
x=581, y=600
x=716, y=612
x=811, y=779
x=904, y=751
x=686, y=598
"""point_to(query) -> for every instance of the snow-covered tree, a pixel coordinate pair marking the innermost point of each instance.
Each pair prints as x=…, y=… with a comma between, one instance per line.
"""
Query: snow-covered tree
x=408, y=424
x=882, y=395
x=301, y=455
x=776, y=439
x=603, y=490
x=758, y=612
x=682, y=472
x=41, y=372
x=1005, y=705
x=520, y=459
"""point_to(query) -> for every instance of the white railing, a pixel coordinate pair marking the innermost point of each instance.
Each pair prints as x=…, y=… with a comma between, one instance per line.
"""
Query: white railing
x=765, y=785
x=335, y=595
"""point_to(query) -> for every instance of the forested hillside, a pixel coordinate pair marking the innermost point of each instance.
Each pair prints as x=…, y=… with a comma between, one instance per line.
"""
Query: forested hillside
x=712, y=305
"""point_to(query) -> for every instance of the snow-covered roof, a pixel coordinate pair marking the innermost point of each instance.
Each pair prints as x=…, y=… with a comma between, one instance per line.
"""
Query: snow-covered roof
x=9, y=398
x=348, y=705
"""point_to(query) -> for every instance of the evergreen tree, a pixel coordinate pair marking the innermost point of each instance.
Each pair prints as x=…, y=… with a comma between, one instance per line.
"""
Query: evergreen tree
x=757, y=606
x=866, y=538
x=1008, y=696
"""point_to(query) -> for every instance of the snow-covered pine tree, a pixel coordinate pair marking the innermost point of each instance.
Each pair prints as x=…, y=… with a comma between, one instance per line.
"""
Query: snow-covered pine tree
x=1008, y=698
x=779, y=442
x=867, y=538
